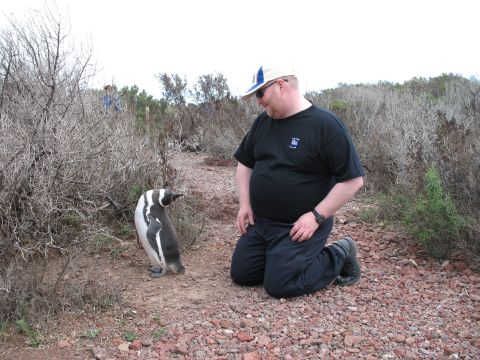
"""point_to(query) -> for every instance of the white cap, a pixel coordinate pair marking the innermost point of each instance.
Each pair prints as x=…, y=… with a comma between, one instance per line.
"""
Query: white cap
x=264, y=75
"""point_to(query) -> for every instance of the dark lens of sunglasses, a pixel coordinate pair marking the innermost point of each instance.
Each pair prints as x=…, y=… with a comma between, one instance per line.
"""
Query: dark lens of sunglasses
x=259, y=94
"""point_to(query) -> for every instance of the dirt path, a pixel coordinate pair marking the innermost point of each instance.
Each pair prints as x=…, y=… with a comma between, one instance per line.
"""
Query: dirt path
x=405, y=306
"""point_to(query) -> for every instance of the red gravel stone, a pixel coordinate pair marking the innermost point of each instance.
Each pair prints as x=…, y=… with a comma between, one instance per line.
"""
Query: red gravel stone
x=243, y=336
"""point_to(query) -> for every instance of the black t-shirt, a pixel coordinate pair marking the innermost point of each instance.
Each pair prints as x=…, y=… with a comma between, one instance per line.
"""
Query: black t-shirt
x=296, y=161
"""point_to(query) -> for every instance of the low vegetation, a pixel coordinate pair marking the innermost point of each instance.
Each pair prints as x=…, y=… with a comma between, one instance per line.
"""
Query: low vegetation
x=69, y=167
x=401, y=131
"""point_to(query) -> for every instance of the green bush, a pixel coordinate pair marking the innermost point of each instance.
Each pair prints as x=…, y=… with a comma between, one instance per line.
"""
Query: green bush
x=434, y=219
x=338, y=105
x=23, y=327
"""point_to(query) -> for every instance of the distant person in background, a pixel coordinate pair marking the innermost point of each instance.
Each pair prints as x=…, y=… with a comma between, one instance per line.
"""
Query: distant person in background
x=109, y=99
x=297, y=166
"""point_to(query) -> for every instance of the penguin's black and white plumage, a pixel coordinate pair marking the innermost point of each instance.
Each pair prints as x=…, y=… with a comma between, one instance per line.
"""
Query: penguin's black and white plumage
x=156, y=232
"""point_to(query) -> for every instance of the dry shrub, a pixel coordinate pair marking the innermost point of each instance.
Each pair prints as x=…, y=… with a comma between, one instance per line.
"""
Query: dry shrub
x=225, y=127
x=68, y=165
x=385, y=127
x=188, y=219
x=400, y=132
x=215, y=122
x=213, y=128
x=37, y=289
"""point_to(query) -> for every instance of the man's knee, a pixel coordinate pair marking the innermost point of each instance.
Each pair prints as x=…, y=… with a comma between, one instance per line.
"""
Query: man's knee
x=274, y=290
x=285, y=291
x=278, y=287
x=240, y=279
x=286, y=278
x=242, y=276
x=236, y=274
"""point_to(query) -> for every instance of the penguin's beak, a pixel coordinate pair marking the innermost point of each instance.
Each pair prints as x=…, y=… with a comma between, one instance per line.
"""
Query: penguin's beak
x=176, y=196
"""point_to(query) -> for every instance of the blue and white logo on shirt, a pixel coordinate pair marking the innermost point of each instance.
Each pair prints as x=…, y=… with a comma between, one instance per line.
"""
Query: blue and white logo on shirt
x=294, y=143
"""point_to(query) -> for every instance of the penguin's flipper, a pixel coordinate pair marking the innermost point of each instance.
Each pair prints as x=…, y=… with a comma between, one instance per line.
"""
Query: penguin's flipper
x=153, y=228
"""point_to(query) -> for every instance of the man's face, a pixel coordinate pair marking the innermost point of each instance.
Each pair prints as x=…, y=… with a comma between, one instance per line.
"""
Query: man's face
x=266, y=97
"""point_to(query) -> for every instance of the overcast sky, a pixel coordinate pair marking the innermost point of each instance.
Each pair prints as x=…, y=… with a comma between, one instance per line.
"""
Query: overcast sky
x=327, y=42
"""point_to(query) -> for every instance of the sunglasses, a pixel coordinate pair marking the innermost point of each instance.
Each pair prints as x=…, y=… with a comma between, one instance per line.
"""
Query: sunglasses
x=259, y=94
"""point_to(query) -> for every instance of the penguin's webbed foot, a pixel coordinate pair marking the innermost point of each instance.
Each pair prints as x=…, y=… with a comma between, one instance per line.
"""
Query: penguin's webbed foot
x=181, y=270
x=156, y=272
x=177, y=268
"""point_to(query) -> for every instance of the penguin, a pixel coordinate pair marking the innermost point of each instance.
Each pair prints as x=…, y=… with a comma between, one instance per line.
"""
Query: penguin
x=156, y=232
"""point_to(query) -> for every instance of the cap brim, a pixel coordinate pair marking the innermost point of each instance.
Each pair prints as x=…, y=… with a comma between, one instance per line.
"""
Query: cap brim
x=252, y=90
x=267, y=76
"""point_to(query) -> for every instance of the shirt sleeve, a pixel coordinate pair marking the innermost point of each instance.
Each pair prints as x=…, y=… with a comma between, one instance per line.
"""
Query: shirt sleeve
x=245, y=153
x=343, y=158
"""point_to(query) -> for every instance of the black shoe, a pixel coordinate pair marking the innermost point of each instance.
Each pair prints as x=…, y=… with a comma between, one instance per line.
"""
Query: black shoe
x=350, y=272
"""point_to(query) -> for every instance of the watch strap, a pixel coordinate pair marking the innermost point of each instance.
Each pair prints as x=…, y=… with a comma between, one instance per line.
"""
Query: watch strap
x=320, y=219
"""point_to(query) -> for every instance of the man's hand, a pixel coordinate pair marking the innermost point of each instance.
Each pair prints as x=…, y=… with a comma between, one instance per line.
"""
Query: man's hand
x=245, y=213
x=304, y=227
x=244, y=217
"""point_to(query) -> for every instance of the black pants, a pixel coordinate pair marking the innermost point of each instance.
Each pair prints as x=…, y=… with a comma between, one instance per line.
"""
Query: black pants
x=267, y=255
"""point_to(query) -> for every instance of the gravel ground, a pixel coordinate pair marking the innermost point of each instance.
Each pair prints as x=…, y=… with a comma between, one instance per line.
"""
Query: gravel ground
x=405, y=306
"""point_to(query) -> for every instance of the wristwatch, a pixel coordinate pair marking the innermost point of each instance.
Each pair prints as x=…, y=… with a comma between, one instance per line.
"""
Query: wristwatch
x=319, y=218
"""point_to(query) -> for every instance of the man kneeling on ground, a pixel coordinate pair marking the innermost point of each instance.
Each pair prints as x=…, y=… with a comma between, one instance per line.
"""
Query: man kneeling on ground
x=297, y=166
